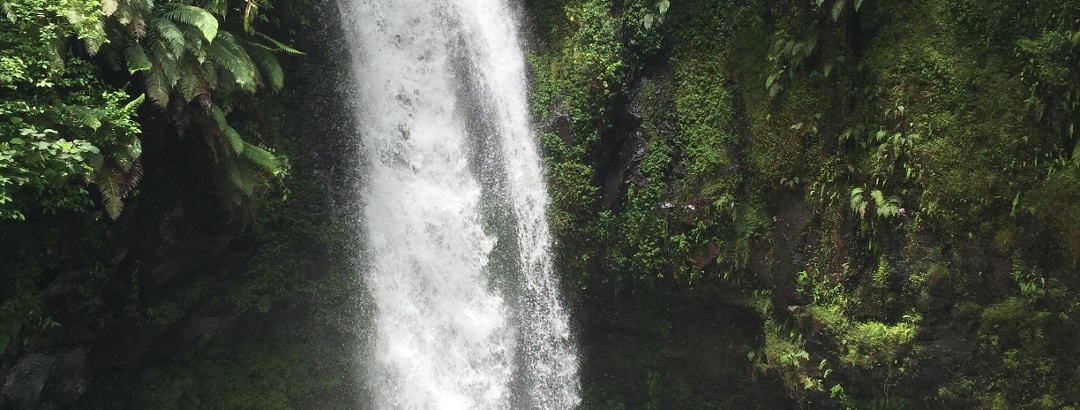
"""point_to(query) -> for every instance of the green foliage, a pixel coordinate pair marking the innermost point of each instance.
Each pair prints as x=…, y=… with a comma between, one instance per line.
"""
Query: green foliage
x=60, y=124
x=890, y=161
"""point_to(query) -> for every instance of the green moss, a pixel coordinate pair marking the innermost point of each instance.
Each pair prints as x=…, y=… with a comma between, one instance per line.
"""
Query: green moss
x=705, y=119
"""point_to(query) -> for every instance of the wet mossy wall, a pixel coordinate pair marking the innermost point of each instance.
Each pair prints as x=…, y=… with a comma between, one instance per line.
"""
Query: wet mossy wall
x=832, y=203
x=758, y=205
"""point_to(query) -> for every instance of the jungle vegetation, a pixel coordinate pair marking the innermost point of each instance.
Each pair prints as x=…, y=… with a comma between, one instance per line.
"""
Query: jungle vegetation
x=760, y=204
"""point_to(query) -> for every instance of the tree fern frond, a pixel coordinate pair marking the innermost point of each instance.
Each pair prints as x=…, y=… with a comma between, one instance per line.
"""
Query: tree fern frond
x=157, y=88
x=262, y=158
x=190, y=83
x=240, y=177
x=106, y=182
x=1076, y=154
x=94, y=160
x=130, y=179
x=170, y=35
x=137, y=27
x=196, y=17
x=210, y=76
x=124, y=14
x=136, y=59
x=233, y=138
x=113, y=52
x=8, y=13
x=218, y=116
x=227, y=53
x=108, y=7
x=279, y=46
x=216, y=7
x=268, y=66
x=194, y=41
x=135, y=177
x=227, y=131
x=127, y=155
x=165, y=62
x=85, y=116
x=133, y=105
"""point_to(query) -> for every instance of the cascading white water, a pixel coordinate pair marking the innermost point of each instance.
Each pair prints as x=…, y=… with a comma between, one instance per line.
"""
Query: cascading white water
x=458, y=263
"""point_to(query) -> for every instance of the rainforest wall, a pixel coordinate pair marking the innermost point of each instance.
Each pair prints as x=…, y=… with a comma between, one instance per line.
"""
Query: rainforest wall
x=172, y=230
x=782, y=204
x=819, y=203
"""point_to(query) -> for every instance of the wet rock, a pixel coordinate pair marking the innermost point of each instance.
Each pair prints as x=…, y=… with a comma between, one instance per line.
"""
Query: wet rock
x=22, y=389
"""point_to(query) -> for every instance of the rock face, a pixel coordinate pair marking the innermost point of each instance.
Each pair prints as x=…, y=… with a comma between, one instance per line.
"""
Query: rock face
x=26, y=379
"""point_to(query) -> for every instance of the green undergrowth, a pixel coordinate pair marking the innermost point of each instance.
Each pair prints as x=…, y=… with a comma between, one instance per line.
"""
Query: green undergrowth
x=881, y=182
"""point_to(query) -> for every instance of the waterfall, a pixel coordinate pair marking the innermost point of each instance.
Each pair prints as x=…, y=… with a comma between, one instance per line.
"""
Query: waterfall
x=457, y=256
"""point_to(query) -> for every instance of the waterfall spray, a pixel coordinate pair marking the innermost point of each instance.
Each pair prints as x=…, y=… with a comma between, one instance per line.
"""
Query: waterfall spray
x=467, y=314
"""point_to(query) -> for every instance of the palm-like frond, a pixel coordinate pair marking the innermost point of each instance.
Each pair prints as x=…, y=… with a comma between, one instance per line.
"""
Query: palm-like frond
x=136, y=58
x=277, y=45
x=190, y=83
x=133, y=105
x=240, y=177
x=83, y=116
x=227, y=131
x=196, y=17
x=108, y=7
x=170, y=35
x=216, y=7
x=268, y=66
x=227, y=53
x=5, y=7
x=262, y=158
x=113, y=53
x=157, y=88
x=107, y=183
x=128, y=155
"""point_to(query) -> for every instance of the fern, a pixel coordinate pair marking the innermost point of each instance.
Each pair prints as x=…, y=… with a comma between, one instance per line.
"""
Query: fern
x=136, y=59
x=108, y=7
x=128, y=155
x=94, y=160
x=1076, y=154
x=133, y=105
x=838, y=7
x=190, y=83
x=262, y=158
x=134, y=177
x=170, y=35
x=268, y=66
x=196, y=17
x=107, y=183
x=217, y=7
x=113, y=54
x=240, y=178
x=858, y=203
x=228, y=54
x=87, y=117
x=279, y=46
x=8, y=13
x=157, y=88
x=231, y=136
